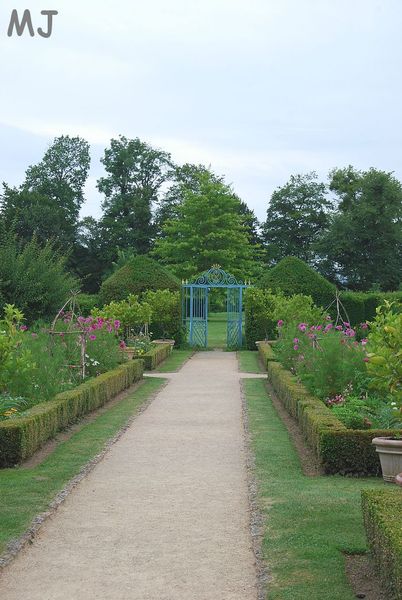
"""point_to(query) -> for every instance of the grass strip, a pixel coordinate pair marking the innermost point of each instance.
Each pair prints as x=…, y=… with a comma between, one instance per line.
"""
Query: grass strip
x=25, y=493
x=249, y=361
x=309, y=521
x=175, y=361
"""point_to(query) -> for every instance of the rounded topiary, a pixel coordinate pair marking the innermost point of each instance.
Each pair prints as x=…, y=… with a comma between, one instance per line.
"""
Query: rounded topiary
x=293, y=276
x=138, y=275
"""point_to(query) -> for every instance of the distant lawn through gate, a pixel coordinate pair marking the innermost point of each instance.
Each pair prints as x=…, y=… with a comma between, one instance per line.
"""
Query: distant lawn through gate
x=217, y=330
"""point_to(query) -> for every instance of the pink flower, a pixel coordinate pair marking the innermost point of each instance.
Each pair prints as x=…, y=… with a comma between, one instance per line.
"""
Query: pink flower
x=339, y=327
x=350, y=332
x=122, y=344
x=280, y=323
x=319, y=327
x=328, y=327
x=295, y=347
x=346, y=324
x=365, y=359
x=92, y=337
x=328, y=317
x=295, y=340
x=302, y=326
x=364, y=341
x=34, y=335
x=117, y=324
x=312, y=328
x=364, y=325
x=23, y=328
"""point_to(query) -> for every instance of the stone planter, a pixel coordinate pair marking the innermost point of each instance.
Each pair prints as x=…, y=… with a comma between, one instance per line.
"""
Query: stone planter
x=390, y=452
x=170, y=342
x=129, y=352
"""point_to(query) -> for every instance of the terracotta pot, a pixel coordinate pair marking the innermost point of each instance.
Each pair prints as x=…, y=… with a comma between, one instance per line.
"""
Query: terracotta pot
x=390, y=452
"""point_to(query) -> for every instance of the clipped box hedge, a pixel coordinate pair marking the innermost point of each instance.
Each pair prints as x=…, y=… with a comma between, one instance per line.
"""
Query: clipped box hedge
x=22, y=436
x=266, y=353
x=156, y=355
x=340, y=450
x=382, y=510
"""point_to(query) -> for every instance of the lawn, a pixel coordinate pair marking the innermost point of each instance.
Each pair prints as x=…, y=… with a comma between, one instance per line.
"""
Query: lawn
x=175, y=361
x=25, y=493
x=309, y=521
x=249, y=362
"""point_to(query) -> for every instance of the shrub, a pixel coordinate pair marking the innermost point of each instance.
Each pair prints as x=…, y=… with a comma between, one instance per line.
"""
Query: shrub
x=21, y=436
x=293, y=276
x=166, y=314
x=131, y=314
x=87, y=302
x=138, y=275
x=33, y=278
x=384, y=352
x=263, y=309
x=382, y=511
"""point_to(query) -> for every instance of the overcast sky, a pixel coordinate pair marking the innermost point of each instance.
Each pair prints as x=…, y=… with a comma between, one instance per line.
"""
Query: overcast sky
x=259, y=90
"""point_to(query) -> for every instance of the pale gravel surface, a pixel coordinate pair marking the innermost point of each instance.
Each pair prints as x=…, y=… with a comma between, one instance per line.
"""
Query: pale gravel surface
x=165, y=514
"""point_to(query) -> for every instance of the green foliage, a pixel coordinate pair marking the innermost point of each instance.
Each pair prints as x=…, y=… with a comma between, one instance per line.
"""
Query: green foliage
x=385, y=352
x=263, y=310
x=33, y=278
x=166, y=314
x=21, y=436
x=135, y=173
x=293, y=276
x=363, y=245
x=87, y=302
x=382, y=511
x=340, y=450
x=130, y=313
x=139, y=275
x=156, y=355
x=15, y=359
x=297, y=215
x=208, y=229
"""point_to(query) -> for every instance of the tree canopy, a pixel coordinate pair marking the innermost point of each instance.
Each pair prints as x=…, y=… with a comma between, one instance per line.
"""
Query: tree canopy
x=207, y=230
x=297, y=215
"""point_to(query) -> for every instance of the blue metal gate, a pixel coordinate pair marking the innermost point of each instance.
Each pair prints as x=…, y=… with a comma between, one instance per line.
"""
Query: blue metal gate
x=195, y=307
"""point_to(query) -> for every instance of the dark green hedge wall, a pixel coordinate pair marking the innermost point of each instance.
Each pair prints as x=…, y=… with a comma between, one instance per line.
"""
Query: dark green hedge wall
x=140, y=274
x=382, y=512
x=293, y=276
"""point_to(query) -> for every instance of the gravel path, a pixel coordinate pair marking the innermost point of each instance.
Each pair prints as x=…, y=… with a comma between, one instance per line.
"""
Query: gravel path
x=165, y=515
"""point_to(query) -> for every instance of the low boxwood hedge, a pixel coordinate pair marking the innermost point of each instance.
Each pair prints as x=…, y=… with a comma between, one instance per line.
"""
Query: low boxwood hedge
x=382, y=510
x=20, y=437
x=266, y=353
x=156, y=355
x=340, y=450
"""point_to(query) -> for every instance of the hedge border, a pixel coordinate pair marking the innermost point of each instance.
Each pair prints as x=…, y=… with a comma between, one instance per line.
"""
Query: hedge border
x=340, y=450
x=382, y=511
x=266, y=353
x=156, y=355
x=22, y=436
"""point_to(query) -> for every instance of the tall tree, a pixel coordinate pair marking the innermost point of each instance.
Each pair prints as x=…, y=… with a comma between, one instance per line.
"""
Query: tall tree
x=298, y=213
x=135, y=174
x=48, y=202
x=363, y=247
x=187, y=178
x=61, y=175
x=207, y=230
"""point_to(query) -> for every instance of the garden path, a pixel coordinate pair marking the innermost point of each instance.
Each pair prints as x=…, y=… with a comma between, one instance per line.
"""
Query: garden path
x=165, y=514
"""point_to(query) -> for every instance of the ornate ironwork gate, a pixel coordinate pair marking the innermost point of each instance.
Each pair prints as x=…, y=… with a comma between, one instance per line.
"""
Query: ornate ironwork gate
x=195, y=306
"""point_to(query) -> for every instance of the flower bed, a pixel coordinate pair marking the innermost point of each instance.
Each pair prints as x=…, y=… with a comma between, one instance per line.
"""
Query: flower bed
x=382, y=511
x=340, y=450
x=21, y=436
